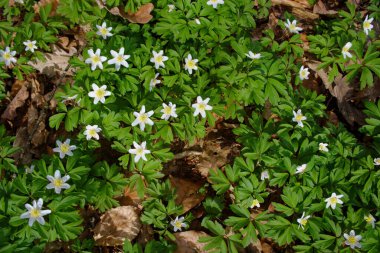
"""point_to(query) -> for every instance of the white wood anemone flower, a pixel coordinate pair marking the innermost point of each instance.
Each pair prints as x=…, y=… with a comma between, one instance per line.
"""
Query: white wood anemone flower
x=264, y=175
x=35, y=212
x=370, y=220
x=323, y=147
x=367, y=26
x=190, y=64
x=29, y=169
x=7, y=56
x=298, y=117
x=333, y=200
x=215, y=3
x=142, y=118
x=253, y=56
x=345, y=50
x=154, y=82
x=104, y=31
x=292, y=26
x=19, y=1
x=303, y=220
x=304, y=73
x=139, y=151
x=57, y=182
x=30, y=45
x=64, y=148
x=158, y=59
x=301, y=169
x=92, y=132
x=171, y=7
x=376, y=161
x=168, y=111
x=120, y=59
x=255, y=203
x=201, y=106
x=99, y=93
x=178, y=224
x=197, y=21
x=96, y=60
x=352, y=240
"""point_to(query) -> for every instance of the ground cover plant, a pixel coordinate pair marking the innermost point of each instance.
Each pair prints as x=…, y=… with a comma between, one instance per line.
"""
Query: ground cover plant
x=189, y=126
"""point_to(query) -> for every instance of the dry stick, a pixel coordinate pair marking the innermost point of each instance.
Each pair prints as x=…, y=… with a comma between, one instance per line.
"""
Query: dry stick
x=44, y=109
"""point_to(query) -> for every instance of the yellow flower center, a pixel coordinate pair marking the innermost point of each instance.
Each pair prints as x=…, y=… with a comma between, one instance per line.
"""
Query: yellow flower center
x=303, y=222
x=159, y=58
x=191, y=64
x=95, y=59
x=92, y=132
x=103, y=31
x=345, y=49
x=168, y=110
x=140, y=151
x=377, y=160
x=119, y=58
x=255, y=202
x=292, y=27
x=178, y=224
x=351, y=239
x=35, y=213
x=7, y=56
x=65, y=148
x=202, y=107
x=58, y=182
x=303, y=73
x=214, y=1
x=367, y=25
x=31, y=45
x=368, y=219
x=333, y=200
x=143, y=117
x=299, y=117
x=100, y=93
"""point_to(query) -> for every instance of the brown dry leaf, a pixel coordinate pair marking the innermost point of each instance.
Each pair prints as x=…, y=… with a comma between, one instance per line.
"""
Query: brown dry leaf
x=11, y=3
x=56, y=62
x=146, y=235
x=187, y=192
x=17, y=102
x=187, y=242
x=43, y=3
x=320, y=8
x=266, y=247
x=302, y=4
x=304, y=14
x=21, y=141
x=116, y=225
x=17, y=85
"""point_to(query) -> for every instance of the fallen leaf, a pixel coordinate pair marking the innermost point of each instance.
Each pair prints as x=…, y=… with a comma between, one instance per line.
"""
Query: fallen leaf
x=320, y=8
x=187, y=242
x=43, y=3
x=21, y=141
x=116, y=225
x=16, y=86
x=187, y=192
x=302, y=4
x=17, y=102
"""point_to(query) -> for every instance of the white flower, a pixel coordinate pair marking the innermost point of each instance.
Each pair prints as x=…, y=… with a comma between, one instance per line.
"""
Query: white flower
x=178, y=224
x=92, y=132
x=264, y=175
x=7, y=56
x=57, y=182
x=367, y=26
x=104, y=31
x=30, y=45
x=95, y=59
x=19, y=1
x=333, y=200
x=171, y=7
x=140, y=151
x=345, y=50
x=370, y=220
x=255, y=203
x=201, y=106
x=301, y=169
x=29, y=170
x=168, y=111
x=197, y=21
x=190, y=64
x=64, y=148
x=376, y=161
x=323, y=147
x=253, y=56
x=158, y=59
x=352, y=240
x=99, y=94
x=304, y=73
x=119, y=59
x=142, y=118
x=292, y=26
x=215, y=3
x=303, y=220
x=154, y=82
x=298, y=117
x=35, y=213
